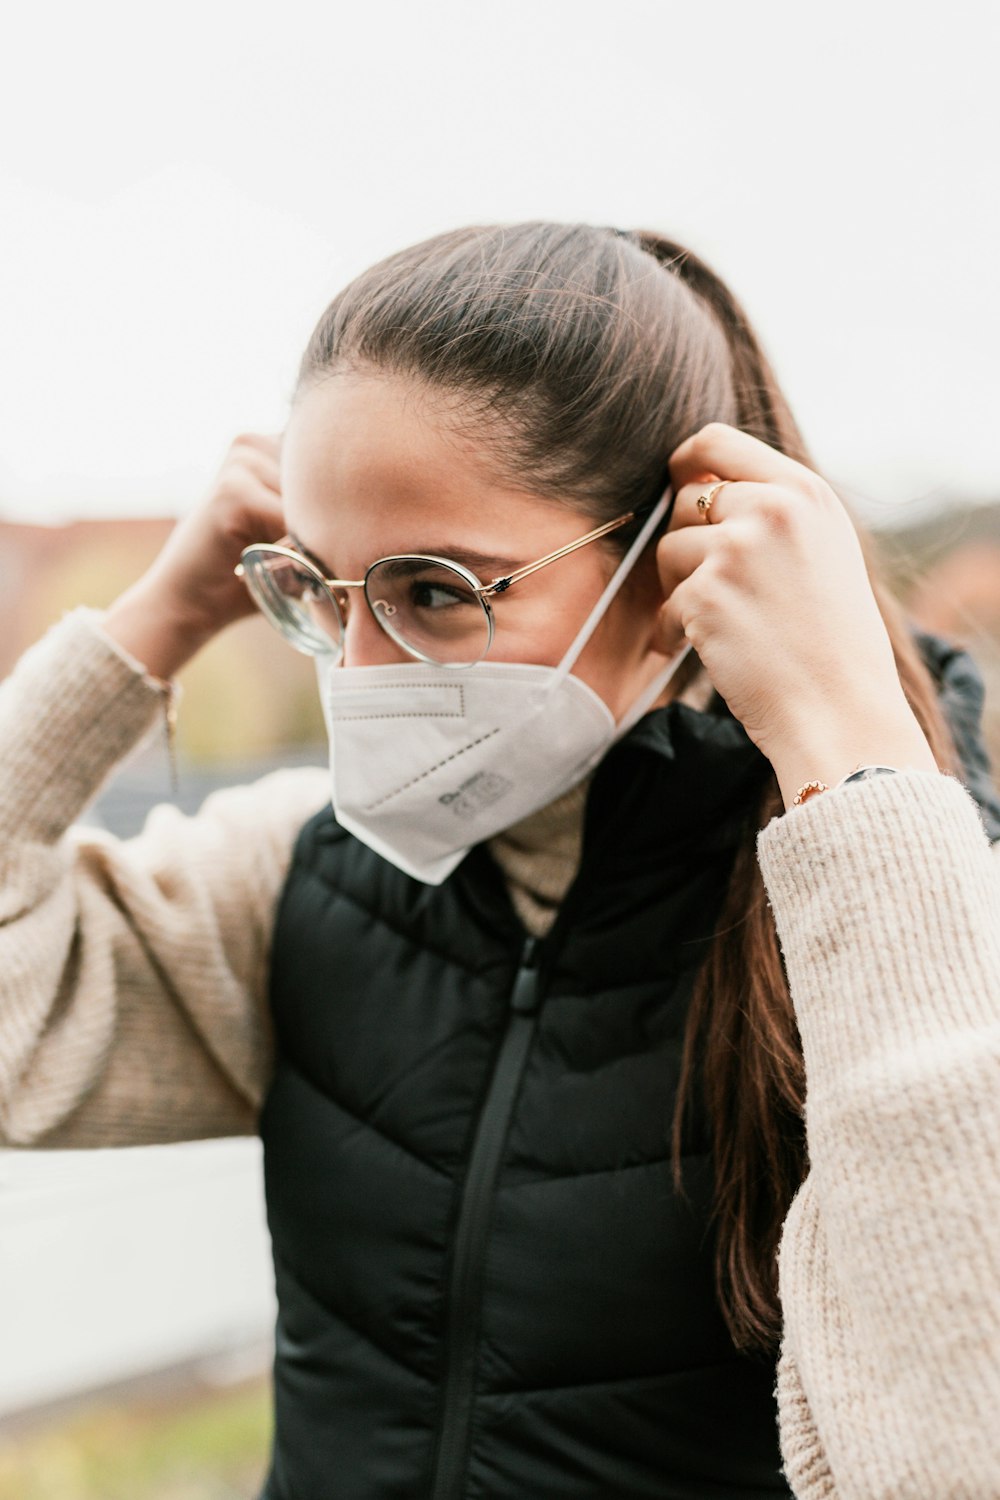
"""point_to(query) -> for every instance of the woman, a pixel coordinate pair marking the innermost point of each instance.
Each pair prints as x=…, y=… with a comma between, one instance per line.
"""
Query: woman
x=649, y=818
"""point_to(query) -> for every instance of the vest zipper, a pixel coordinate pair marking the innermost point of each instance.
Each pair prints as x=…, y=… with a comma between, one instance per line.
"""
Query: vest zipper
x=464, y=1292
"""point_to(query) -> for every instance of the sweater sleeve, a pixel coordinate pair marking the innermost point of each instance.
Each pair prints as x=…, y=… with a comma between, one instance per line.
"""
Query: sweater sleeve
x=886, y=900
x=132, y=972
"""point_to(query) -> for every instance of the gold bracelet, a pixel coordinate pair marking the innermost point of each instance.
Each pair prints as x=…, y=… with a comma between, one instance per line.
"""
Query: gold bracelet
x=170, y=691
x=810, y=788
x=807, y=790
x=170, y=717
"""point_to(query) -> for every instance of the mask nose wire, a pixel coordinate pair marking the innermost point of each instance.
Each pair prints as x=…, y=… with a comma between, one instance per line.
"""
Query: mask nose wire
x=615, y=582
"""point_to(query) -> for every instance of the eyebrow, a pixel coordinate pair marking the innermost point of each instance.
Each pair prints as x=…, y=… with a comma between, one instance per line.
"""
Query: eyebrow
x=317, y=562
x=476, y=562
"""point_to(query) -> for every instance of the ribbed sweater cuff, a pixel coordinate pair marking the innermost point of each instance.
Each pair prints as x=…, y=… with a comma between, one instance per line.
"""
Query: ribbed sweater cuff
x=73, y=706
x=886, y=899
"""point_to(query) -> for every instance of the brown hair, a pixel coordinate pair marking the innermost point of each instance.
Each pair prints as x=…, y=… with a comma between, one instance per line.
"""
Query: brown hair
x=583, y=356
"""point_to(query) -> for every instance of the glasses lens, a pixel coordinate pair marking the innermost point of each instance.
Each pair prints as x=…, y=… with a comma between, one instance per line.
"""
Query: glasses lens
x=295, y=600
x=431, y=609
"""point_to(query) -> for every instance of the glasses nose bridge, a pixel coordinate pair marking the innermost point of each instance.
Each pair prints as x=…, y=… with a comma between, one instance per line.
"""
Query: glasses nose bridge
x=339, y=589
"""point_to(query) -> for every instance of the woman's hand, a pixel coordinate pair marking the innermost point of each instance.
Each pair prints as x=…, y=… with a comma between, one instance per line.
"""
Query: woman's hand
x=190, y=593
x=775, y=598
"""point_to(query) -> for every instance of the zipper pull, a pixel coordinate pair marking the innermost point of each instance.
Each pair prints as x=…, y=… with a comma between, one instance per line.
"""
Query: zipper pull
x=524, y=993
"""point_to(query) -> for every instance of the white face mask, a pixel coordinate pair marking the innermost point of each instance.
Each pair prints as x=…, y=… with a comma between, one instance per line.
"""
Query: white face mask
x=427, y=761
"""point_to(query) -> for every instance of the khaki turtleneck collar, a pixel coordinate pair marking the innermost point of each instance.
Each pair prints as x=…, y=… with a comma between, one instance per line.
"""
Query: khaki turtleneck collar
x=540, y=856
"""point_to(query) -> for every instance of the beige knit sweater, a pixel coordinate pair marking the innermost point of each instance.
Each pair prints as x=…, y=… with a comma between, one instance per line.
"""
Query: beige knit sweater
x=133, y=1009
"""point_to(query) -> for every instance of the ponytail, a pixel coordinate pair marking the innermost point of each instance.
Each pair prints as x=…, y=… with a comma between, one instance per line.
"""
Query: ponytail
x=763, y=410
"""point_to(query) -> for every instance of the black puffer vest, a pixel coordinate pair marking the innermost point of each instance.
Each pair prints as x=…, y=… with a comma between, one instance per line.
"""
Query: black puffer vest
x=487, y=1285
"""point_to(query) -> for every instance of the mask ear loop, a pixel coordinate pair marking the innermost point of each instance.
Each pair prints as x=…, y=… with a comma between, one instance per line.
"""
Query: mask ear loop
x=663, y=507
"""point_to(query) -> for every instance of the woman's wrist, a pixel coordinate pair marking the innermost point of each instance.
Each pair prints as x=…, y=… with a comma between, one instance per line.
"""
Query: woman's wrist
x=154, y=629
x=828, y=749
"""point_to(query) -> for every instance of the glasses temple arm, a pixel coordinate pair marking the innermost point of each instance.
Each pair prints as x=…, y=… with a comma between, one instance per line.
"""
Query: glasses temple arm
x=500, y=585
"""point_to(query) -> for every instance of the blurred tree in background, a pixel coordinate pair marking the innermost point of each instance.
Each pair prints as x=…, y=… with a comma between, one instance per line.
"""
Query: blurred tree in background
x=197, y=1445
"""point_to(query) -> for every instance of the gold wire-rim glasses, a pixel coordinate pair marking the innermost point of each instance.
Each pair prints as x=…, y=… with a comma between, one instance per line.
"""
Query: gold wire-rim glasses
x=483, y=591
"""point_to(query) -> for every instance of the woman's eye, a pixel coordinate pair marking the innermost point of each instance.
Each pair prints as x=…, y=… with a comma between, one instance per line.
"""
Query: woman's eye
x=294, y=582
x=437, y=595
x=309, y=591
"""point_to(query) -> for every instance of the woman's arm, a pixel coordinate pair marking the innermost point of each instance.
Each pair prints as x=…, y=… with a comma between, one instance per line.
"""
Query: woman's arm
x=886, y=899
x=132, y=973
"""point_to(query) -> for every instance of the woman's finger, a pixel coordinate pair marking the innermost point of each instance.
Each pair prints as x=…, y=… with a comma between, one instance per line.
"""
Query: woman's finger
x=728, y=453
x=263, y=465
x=267, y=442
x=669, y=632
x=679, y=552
x=262, y=512
x=685, y=507
x=737, y=497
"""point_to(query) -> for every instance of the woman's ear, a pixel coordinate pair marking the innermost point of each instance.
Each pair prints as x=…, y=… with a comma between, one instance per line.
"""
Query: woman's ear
x=647, y=602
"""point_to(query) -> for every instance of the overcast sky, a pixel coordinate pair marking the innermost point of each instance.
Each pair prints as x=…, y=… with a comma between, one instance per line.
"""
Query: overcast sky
x=183, y=188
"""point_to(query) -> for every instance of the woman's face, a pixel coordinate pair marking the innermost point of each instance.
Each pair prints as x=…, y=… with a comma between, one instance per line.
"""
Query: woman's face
x=369, y=468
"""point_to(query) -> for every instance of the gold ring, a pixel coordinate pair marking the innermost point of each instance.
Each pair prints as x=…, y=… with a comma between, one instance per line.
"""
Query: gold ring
x=705, y=501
